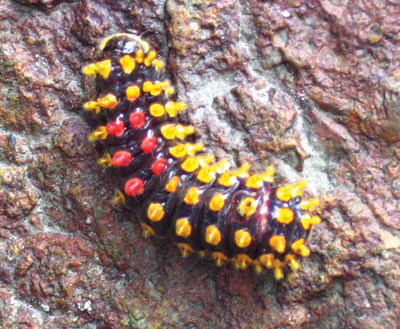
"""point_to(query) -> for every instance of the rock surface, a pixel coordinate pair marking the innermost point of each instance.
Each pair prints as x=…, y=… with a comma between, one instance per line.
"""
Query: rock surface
x=311, y=87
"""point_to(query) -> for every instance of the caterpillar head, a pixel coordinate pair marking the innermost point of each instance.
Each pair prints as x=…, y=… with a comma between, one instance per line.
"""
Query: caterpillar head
x=123, y=43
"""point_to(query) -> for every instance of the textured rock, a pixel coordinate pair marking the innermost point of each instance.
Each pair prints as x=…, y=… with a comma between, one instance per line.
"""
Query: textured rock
x=311, y=87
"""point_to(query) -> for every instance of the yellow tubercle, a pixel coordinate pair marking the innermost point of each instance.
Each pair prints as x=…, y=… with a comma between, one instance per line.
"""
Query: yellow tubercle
x=206, y=175
x=192, y=149
x=268, y=175
x=91, y=70
x=305, y=251
x=160, y=86
x=298, y=187
x=219, y=257
x=267, y=259
x=243, y=171
x=278, y=243
x=307, y=220
x=150, y=57
x=169, y=90
x=183, y=131
x=202, y=253
x=299, y=248
x=147, y=86
x=164, y=84
x=291, y=259
x=105, y=160
x=254, y=181
x=158, y=64
x=183, y=228
x=92, y=106
x=139, y=56
x=227, y=179
x=217, y=202
x=119, y=197
x=155, y=212
x=284, y=215
x=127, y=63
x=156, y=110
x=185, y=249
x=205, y=160
x=172, y=108
x=168, y=131
x=172, y=184
x=307, y=204
x=132, y=93
x=178, y=151
x=213, y=235
x=277, y=265
x=155, y=89
x=192, y=196
x=99, y=133
x=278, y=273
x=247, y=206
x=242, y=261
x=109, y=101
x=286, y=192
x=242, y=238
x=221, y=166
x=190, y=164
x=147, y=230
x=104, y=68
x=257, y=267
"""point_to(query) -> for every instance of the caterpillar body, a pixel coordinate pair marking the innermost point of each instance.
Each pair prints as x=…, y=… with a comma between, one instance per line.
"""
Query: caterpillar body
x=174, y=189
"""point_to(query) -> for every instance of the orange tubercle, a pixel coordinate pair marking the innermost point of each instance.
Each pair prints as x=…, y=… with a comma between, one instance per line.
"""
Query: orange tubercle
x=149, y=144
x=158, y=166
x=134, y=187
x=115, y=128
x=121, y=158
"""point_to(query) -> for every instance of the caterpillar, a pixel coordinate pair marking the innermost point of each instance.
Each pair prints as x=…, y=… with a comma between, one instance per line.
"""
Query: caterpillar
x=174, y=189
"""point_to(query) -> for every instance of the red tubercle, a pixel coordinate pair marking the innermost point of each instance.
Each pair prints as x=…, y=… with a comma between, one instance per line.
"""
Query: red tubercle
x=158, y=166
x=149, y=144
x=115, y=128
x=137, y=119
x=134, y=187
x=121, y=158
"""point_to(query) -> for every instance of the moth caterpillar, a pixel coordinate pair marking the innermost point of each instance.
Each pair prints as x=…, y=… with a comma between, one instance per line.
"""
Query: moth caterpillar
x=172, y=187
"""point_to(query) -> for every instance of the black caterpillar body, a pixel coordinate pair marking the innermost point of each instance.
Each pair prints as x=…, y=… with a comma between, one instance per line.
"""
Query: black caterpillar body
x=199, y=204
